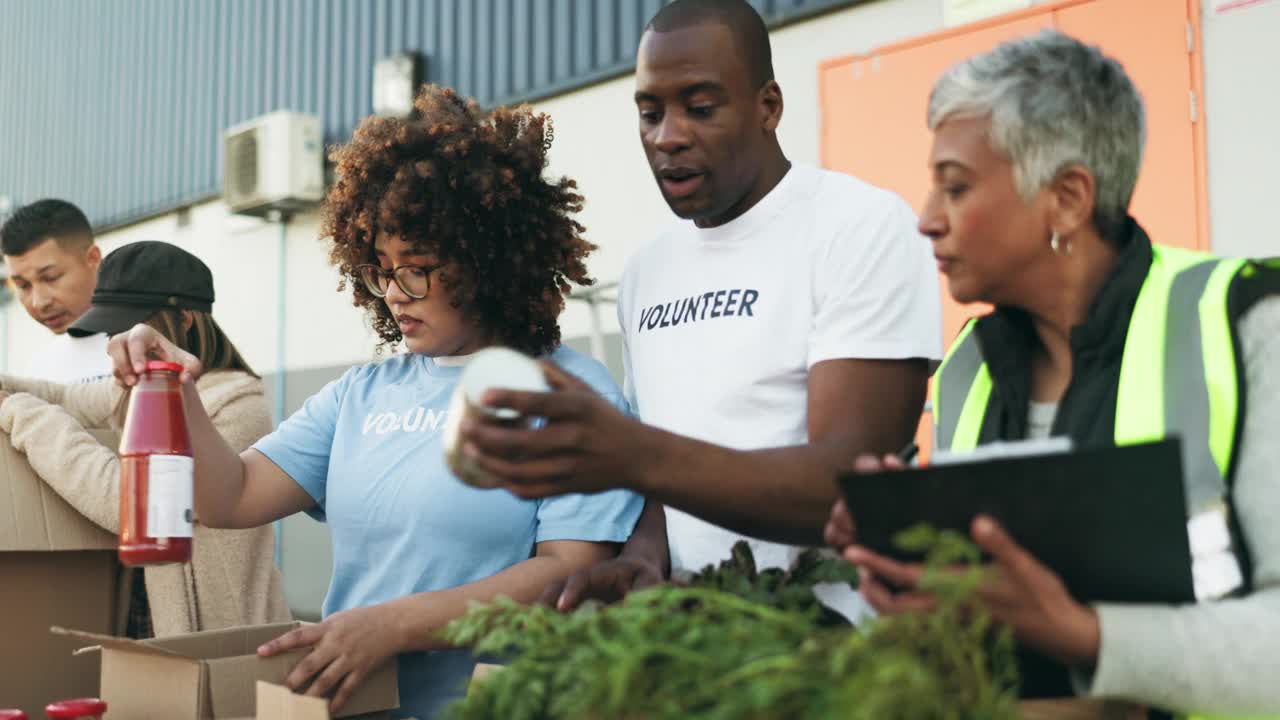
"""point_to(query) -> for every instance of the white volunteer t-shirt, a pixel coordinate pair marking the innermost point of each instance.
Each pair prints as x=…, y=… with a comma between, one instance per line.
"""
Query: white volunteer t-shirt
x=70, y=360
x=722, y=325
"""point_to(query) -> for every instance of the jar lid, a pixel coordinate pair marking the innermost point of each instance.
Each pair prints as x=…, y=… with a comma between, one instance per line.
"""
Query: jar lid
x=12, y=715
x=80, y=708
x=163, y=365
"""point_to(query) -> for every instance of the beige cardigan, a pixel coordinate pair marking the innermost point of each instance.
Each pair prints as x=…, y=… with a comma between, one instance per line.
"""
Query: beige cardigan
x=231, y=579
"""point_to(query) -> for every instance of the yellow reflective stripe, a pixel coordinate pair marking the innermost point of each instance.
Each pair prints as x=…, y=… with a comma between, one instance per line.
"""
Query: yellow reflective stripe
x=937, y=375
x=936, y=402
x=975, y=409
x=1220, y=363
x=1140, y=396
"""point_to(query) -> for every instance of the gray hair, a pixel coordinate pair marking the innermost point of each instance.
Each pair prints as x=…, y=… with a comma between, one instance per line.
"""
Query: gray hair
x=1053, y=102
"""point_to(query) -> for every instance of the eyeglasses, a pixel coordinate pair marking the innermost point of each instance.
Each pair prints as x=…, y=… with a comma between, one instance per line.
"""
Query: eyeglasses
x=413, y=280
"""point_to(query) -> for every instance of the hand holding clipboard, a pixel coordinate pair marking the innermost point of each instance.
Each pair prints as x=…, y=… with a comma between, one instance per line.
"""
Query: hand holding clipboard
x=1062, y=530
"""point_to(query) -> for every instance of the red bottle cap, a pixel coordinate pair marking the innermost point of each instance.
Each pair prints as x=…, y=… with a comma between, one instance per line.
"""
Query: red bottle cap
x=162, y=365
x=12, y=715
x=71, y=709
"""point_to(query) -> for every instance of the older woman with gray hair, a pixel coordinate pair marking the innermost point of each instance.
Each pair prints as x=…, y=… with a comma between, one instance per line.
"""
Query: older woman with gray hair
x=1099, y=335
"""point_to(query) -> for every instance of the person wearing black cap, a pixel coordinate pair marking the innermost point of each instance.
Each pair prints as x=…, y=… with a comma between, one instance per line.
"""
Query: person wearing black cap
x=142, y=279
x=171, y=290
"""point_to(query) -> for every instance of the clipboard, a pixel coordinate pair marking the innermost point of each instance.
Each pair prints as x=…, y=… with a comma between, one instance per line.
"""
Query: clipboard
x=1111, y=522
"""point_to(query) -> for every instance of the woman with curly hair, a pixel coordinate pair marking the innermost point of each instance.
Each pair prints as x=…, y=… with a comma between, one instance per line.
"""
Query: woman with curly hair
x=451, y=240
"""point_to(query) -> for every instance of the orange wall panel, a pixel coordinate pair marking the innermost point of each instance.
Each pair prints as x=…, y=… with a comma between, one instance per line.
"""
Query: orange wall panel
x=1159, y=62
x=874, y=118
x=874, y=113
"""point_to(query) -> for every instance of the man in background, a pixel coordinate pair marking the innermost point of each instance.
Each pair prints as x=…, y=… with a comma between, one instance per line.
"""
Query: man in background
x=52, y=263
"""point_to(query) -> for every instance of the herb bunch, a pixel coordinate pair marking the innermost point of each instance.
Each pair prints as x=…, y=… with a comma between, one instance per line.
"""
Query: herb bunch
x=715, y=652
x=790, y=589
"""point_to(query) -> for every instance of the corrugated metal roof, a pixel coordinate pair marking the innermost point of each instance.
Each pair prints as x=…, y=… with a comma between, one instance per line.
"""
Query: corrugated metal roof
x=119, y=106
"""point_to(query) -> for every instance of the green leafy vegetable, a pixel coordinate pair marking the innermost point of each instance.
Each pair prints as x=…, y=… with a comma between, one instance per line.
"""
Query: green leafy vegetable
x=790, y=589
x=739, y=643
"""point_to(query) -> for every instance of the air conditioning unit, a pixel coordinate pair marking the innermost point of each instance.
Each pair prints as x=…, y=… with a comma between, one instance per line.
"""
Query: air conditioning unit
x=273, y=163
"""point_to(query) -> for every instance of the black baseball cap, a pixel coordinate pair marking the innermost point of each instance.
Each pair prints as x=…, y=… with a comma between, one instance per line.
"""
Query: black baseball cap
x=136, y=280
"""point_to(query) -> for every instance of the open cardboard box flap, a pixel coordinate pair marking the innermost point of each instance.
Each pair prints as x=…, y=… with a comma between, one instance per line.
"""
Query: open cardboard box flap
x=207, y=645
x=208, y=675
x=96, y=642
x=276, y=702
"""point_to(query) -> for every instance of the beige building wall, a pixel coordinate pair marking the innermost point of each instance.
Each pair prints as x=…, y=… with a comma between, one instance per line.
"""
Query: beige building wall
x=597, y=144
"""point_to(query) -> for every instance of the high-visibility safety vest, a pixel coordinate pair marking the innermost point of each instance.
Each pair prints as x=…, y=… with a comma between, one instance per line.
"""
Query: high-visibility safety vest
x=1178, y=376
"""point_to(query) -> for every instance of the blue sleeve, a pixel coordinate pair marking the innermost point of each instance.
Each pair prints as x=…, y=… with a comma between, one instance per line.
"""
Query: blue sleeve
x=302, y=444
x=604, y=517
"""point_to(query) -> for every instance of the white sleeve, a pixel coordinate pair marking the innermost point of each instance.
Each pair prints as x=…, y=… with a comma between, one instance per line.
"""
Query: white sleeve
x=1224, y=656
x=628, y=382
x=876, y=292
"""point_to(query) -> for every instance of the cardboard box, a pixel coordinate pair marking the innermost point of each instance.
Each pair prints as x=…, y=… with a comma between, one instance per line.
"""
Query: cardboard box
x=276, y=702
x=207, y=675
x=56, y=568
x=482, y=671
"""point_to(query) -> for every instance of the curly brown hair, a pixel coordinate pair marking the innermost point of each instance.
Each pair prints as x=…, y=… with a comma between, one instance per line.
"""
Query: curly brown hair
x=467, y=186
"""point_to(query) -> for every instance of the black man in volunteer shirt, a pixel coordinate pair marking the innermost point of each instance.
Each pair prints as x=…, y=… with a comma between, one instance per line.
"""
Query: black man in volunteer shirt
x=787, y=323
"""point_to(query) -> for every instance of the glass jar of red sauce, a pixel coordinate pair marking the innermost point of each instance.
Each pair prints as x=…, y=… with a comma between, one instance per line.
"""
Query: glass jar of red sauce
x=82, y=709
x=156, y=471
x=12, y=715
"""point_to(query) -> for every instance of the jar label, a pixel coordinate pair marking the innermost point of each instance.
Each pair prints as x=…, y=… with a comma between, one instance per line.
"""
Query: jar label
x=169, y=493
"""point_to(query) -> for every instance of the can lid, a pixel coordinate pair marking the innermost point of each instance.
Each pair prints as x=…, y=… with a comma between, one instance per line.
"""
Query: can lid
x=12, y=715
x=80, y=708
x=163, y=365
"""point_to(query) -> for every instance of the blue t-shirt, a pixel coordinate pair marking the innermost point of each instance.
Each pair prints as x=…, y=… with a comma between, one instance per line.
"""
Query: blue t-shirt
x=368, y=449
